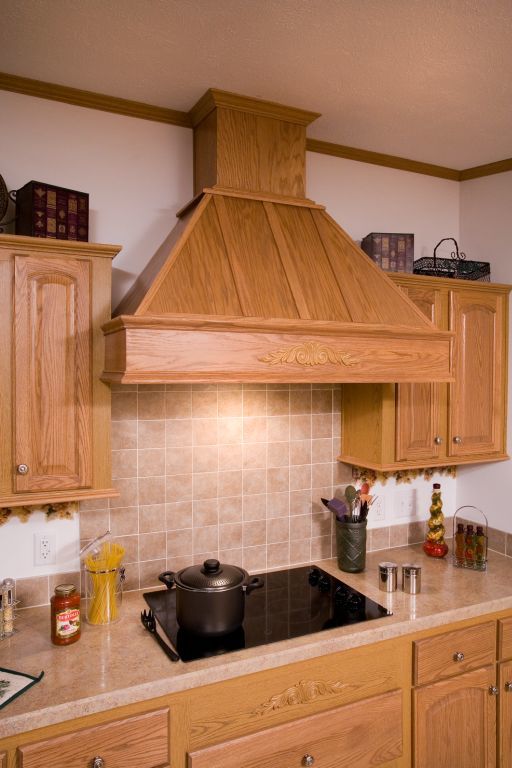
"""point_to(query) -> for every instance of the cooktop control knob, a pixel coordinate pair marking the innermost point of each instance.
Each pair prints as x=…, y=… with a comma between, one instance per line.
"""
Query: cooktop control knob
x=340, y=595
x=324, y=584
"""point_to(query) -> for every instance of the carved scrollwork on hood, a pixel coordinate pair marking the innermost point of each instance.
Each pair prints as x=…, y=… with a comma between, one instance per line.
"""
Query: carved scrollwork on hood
x=309, y=353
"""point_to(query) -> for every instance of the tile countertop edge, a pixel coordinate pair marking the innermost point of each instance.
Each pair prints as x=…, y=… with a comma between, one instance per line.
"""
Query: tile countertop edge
x=182, y=677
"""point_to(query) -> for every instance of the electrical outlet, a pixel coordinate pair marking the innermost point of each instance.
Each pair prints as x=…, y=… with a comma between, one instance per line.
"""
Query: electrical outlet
x=378, y=509
x=405, y=503
x=44, y=549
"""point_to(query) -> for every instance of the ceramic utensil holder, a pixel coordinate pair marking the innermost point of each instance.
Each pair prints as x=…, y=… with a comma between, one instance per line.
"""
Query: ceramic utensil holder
x=351, y=546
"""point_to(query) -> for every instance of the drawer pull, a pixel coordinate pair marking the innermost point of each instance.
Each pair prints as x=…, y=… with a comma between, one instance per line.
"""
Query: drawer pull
x=457, y=440
x=22, y=469
x=508, y=686
x=97, y=762
x=308, y=760
x=493, y=690
x=438, y=440
x=459, y=656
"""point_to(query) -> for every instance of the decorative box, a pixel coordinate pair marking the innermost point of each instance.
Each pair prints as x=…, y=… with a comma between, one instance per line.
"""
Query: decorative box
x=43, y=210
x=391, y=251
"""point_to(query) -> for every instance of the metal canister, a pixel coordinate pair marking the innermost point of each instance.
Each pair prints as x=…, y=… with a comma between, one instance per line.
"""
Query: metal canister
x=411, y=578
x=387, y=576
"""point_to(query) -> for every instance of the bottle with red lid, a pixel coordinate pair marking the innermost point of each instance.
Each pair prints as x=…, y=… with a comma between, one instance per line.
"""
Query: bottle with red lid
x=65, y=615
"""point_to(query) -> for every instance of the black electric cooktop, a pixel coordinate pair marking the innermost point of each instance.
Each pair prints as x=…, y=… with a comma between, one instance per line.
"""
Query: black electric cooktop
x=293, y=602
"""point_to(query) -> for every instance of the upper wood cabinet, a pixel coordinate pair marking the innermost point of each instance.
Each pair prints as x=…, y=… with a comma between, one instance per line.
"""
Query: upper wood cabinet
x=387, y=426
x=54, y=297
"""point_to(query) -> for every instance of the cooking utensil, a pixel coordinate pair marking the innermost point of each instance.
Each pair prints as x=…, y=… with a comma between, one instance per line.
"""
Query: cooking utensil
x=337, y=506
x=210, y=599
x=149, y=622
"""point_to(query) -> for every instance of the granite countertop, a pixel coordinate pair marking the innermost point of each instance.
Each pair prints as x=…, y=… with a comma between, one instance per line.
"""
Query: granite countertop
x=122, y=664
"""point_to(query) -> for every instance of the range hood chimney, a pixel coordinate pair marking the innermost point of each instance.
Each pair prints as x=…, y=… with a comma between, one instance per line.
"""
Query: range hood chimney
x=258, y=283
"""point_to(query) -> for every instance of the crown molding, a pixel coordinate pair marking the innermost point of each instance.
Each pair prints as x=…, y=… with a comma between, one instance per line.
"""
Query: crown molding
x=377, y=158
x=92, y=100
x=501, y=166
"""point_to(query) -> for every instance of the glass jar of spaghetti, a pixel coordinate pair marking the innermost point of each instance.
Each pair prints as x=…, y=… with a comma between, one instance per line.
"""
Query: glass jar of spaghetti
x=65, y=615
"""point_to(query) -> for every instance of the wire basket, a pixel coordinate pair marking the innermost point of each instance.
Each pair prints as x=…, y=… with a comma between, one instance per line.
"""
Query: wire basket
x=470, y=549
x=457, y=269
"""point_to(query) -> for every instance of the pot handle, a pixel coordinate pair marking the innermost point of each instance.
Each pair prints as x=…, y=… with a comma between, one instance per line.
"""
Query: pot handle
x=167, y=578
x=254, y=583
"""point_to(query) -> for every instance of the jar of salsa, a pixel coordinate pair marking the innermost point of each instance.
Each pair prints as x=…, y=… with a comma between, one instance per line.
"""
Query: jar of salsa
x=65, y=615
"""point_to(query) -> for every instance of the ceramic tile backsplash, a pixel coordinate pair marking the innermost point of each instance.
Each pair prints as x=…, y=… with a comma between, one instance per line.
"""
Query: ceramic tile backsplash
x=232, y=471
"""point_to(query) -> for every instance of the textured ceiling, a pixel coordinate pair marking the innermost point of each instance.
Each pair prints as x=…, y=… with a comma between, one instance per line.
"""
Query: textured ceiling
x=429, y=80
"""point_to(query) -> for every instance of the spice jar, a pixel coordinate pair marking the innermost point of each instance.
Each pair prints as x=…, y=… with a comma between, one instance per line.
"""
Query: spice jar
x=7, y=605
x=65, y=615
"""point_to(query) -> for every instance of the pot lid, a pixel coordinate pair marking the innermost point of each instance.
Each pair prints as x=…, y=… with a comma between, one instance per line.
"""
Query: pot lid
x=211, y=575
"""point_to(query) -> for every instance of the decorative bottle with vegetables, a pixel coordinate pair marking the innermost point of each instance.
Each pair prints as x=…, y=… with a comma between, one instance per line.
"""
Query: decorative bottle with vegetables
x=434, y=544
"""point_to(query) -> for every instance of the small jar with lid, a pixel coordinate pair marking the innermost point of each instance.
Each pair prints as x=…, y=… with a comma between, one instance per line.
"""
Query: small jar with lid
x=7, y=604
x=65, y=615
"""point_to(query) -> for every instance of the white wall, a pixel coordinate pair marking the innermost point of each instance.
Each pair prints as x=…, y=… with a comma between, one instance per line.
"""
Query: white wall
x=139, y=173
x=486, y=206
x=367, y=198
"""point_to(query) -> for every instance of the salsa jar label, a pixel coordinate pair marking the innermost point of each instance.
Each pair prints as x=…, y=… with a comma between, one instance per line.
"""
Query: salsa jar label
x=67, y=622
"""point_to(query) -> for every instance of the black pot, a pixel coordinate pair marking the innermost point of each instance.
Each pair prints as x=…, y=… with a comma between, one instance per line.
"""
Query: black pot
x=210, y=598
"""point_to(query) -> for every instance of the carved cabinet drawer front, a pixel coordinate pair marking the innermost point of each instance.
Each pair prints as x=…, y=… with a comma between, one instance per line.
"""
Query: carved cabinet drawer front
x=505, y=638
x=331, y=739
x=141, y=741
x=3, y=760
x=454, y=652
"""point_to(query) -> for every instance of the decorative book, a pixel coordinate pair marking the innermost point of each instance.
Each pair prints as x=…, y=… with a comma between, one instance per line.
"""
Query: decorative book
x=43, y=210
x=392, y=251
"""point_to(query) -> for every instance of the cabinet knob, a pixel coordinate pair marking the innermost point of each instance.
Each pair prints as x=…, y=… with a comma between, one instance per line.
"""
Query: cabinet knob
x=308, y=760
x=97, y=762
x=493, y=690
x=457, y=440
x=459, y=656
x=508, y=686
x=438, y=440
x=22, y=469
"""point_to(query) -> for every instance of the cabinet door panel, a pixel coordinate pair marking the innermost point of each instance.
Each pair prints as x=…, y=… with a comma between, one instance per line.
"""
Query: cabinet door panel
x=455, y=722
x=333, y=739
x=505, y=719
x=52, y=373
x=505, y=639
x=141, y=741
x=476, y=398
x=419, y=435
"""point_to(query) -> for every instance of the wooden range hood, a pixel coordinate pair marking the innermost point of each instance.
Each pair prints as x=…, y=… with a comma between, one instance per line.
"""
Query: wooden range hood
x=258, y=283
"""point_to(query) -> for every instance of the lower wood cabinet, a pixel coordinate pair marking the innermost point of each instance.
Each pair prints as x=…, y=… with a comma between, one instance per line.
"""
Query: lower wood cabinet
x=462, y=705
x=331, y=739
x=428, y=700
x=134, y=742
